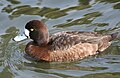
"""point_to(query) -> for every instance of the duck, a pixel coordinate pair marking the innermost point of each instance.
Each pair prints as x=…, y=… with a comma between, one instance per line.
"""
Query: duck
x=63, y=46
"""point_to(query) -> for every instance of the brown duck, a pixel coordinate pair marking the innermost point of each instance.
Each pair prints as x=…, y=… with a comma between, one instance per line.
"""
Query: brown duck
x=63, y=46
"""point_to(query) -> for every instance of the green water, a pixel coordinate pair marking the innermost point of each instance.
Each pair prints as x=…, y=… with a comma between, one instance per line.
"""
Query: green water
x=101, y=16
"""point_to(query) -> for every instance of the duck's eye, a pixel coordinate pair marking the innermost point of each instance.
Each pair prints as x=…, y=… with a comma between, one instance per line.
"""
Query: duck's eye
x=31, y=29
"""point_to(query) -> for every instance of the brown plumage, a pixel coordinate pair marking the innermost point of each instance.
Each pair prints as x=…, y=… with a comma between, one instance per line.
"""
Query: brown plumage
x=64, y=46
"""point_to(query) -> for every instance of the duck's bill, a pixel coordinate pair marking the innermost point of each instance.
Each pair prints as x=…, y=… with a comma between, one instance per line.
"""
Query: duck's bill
x=22, y=37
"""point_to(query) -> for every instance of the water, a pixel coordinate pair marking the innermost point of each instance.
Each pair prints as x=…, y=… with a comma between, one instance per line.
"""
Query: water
x=102, y=16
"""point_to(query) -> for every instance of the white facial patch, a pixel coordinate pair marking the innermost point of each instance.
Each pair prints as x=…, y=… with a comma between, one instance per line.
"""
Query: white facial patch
x=27, y=32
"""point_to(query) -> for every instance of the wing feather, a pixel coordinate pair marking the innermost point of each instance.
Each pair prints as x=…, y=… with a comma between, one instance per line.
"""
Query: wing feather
x=65, y=40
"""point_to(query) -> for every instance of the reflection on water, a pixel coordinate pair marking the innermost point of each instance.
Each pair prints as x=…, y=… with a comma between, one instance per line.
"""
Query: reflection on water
x=102, y=16
x=116, y=6
x=103, y=75
x=88, y=18
x=14, y=1
x=45, y=11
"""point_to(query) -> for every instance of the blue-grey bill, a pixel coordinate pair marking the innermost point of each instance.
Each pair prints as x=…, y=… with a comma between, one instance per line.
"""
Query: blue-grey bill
x=20, y=38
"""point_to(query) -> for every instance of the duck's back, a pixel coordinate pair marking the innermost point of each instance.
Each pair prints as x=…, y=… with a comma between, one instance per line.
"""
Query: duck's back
x=65, y=40
x=69, y=46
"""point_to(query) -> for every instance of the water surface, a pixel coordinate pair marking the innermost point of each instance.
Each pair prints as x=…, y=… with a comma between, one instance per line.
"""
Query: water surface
x=101, y=16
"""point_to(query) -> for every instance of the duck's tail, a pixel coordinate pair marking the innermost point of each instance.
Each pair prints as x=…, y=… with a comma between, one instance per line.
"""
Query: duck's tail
x=106, y=42
x=113, y=36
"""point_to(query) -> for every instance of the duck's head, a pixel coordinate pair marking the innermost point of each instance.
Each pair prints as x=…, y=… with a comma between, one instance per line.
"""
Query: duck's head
x=37, y=31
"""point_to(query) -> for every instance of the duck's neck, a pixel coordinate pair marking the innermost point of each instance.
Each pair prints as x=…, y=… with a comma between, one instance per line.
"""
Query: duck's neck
x=42, y=40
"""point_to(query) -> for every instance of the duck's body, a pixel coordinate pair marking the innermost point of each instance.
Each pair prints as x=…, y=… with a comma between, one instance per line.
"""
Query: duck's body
x=65, y=46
